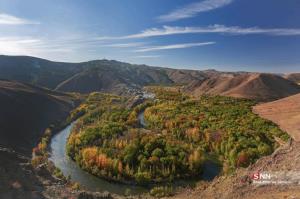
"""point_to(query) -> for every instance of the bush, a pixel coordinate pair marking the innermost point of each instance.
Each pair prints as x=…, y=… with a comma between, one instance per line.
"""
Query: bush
x=75, y=186
x=161, y=191
x=143, y=178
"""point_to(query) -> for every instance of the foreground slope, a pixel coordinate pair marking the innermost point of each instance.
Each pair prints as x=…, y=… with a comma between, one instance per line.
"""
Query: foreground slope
x=26, y=111
x=239, y=185
x=285, y=112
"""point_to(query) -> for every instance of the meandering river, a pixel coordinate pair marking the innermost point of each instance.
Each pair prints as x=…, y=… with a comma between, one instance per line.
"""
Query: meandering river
x=70, y=168
x=92, y=183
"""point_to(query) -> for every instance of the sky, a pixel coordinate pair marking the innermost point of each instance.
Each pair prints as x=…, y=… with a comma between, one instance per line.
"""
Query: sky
x=226, y=35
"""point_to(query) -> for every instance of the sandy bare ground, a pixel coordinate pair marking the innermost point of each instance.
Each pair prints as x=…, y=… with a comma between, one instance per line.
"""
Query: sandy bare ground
x=284, y=112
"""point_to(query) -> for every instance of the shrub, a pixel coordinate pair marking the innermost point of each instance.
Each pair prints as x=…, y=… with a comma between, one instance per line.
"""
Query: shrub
x=161, y=191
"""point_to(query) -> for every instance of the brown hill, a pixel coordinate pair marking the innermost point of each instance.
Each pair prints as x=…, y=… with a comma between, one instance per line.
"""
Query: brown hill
x=262, y=87
x=285, y=112
x=186, y=76
x=295, y=77
x=26, y=111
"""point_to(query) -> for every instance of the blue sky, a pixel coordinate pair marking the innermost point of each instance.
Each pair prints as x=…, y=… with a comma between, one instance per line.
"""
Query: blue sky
x=227, y=35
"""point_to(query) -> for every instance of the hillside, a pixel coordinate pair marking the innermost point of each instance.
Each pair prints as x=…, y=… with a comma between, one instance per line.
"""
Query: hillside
x=26, y=111
x=285, y=112
x=262, y=87
x=239, y=185
x=113, y=76
x=36, y=71
x=295, y=77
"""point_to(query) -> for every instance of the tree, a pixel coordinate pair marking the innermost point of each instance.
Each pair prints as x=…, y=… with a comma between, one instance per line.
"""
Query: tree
x=158, y=152
x=243, y=159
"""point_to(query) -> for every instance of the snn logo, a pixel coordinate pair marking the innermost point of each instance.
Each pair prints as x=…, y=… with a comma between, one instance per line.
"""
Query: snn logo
x=261, y=176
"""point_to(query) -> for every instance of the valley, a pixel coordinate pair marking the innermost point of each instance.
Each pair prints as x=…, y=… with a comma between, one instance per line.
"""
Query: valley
x=172, y=99
x=182, y=134
x=140, y=130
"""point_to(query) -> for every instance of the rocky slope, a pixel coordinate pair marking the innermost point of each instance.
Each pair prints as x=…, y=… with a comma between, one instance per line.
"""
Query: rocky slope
x=16, y=177
x=240, y=184
x=19, y=180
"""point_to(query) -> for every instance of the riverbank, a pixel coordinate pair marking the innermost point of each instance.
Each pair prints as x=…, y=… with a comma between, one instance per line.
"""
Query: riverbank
x=19, y=180
x=70, y=168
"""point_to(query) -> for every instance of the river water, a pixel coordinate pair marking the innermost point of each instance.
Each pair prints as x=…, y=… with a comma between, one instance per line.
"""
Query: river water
x=141, y=119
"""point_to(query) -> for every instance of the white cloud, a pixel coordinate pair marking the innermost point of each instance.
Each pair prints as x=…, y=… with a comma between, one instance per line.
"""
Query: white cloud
x=174, y=46
x=16, y=45
x=147, y=56
x=193, y=9
x=28, y=46
x=6, y=19
x=124, y=45
x=221, y=29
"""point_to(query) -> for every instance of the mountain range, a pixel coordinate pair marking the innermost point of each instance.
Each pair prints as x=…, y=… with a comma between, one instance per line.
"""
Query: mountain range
x=124, y=78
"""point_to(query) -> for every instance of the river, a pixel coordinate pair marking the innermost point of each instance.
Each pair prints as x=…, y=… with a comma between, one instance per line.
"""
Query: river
x=92, y=183
x=141, y=119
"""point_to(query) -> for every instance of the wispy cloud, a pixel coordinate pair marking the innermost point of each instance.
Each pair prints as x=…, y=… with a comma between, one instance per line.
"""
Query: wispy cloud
x=221, y=29
x=191, y=10
x=15, y=45
x=125, y=45
x=147, y=56
x=27, y=46
x=174, y=46
x=6, y=19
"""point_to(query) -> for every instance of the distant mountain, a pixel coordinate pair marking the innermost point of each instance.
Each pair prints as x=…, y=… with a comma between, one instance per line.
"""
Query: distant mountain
x=36, y=71
x=295, y=77
x=26, y=111
x=124, y=78
x=113, y=76
x=262, y=87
